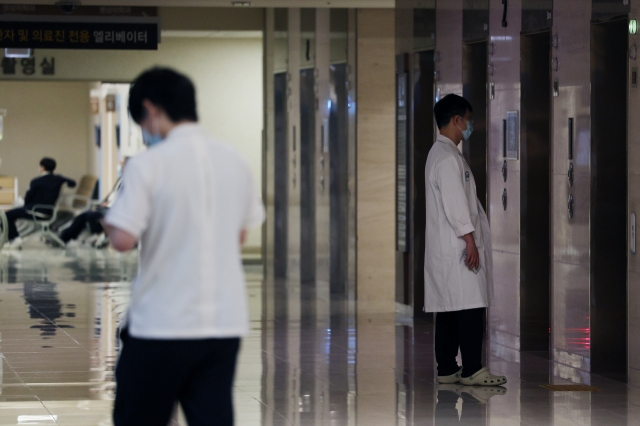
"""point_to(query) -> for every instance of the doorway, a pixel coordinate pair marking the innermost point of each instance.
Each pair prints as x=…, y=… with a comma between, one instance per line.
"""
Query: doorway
x=535, y=157
x=423, y=138
x=474, y=89
x=339, y=182
x=608, y=223
x=307, y=179
x=280, y=176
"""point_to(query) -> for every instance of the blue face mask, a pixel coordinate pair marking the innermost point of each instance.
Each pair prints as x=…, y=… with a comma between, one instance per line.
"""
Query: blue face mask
x=466, y=134
x=150, y=140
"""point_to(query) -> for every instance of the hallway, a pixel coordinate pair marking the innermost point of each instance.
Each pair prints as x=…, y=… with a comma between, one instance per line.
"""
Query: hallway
x=307, y=362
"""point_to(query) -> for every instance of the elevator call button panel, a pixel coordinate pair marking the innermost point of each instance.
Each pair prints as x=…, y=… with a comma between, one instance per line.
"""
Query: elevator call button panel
x=512, y=135
x=632, y=236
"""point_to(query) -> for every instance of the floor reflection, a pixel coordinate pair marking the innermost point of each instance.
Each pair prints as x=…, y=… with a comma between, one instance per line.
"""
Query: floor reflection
x=452, y=402
x=313, y=357
x=44, y=303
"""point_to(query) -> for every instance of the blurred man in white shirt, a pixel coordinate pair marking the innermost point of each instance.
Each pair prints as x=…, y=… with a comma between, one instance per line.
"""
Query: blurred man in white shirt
x=188, y=200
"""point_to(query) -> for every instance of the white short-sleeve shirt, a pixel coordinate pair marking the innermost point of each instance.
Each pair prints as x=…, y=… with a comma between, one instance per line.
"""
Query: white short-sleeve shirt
x=187, y=200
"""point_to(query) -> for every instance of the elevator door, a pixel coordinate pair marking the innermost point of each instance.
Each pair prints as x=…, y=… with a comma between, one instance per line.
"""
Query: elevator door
x=535, y=128
x=474, y=89
x=423, y=137
x=280, y=176
x=339, y=181
x=307, y=178
x=609, y=46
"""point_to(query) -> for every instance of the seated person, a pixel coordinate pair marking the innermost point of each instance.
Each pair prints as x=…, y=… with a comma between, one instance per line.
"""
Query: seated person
x=92, y=217
x=43, y=190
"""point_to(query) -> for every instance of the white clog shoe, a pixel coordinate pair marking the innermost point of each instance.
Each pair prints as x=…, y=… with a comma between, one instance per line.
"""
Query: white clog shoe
x=483, y=378
x=452, y=379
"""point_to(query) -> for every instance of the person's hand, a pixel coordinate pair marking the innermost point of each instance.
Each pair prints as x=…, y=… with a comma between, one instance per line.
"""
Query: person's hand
x=473, y=258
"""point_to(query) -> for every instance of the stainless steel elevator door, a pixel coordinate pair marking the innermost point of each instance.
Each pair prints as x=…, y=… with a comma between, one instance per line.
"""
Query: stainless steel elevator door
x=339, y=180
x=307, y=178
x=537, y=15
x=280, y=178
x=535, y=143
x=608, y=222
x=474, y=89
x=423, y=137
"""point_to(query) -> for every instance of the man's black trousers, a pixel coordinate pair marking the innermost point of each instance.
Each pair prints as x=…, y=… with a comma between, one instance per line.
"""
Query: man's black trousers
x=12, y=216
x=153, y=375
x=80, y=223
x=464, y=330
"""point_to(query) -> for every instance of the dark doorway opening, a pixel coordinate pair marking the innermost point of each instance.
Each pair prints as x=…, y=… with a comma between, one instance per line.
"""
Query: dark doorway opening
x=280, y=176
x=474, y=89
x=307, y=179
x=423, y=137
x=608, y=222
x=339, y=181
x=535, y=157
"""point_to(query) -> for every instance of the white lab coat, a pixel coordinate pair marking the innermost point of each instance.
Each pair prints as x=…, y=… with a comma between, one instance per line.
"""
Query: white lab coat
x=453, y=210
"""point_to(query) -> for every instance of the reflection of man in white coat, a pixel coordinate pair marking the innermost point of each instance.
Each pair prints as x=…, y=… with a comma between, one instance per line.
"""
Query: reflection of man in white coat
x=458, y=262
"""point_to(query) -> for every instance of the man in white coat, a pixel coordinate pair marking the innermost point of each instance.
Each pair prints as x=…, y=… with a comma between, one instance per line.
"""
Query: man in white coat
x=458, y=264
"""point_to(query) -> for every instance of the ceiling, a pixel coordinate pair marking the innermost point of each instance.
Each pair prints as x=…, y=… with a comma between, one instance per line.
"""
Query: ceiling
x=226, y=3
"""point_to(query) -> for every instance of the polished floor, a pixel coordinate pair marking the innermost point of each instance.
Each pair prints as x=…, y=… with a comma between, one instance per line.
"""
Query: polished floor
x=311, y=359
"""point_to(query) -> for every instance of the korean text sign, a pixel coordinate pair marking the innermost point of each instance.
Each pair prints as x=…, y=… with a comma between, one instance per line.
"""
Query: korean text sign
x=77, y=35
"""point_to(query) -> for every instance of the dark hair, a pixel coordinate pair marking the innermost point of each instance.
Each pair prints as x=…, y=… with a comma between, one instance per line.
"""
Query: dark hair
x=49, y=164
x=166, y=88
x=450, y=106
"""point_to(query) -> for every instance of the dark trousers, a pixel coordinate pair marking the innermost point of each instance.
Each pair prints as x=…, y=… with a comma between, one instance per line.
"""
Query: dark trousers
x=12, y=216
x=153, y=375
x=464, y=330
x=80, y=223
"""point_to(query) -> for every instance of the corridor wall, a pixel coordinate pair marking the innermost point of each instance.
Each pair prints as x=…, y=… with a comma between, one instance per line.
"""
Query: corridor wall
x=44, y=119
x=376, y=160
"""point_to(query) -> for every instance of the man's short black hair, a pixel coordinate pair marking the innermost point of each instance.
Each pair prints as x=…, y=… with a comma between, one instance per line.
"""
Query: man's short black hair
x=48, y=164
x=166, y=88
x=450, y=106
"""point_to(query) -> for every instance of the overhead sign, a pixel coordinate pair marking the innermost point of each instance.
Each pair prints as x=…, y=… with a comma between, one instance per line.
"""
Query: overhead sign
x=84, y=27
x=77, y=35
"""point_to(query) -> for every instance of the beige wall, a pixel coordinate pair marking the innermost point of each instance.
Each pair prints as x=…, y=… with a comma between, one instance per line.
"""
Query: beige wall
x=44, y=119
x=212, y=19
x=227, y=73
x=376, y=160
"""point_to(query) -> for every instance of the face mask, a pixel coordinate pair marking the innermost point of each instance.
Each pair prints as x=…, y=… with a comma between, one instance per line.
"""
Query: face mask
x=150, y=140
x=466, y=134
